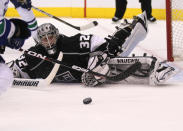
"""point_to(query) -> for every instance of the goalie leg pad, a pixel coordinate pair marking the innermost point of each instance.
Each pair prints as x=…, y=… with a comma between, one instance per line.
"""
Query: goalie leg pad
x=152, y=70
x=125, y=39
x=138, y=33
x=142, y=75
x=120, y=64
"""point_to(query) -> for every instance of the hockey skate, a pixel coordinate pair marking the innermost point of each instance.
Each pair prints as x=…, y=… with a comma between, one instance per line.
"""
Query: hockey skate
x=151, y=19
x=115, y=20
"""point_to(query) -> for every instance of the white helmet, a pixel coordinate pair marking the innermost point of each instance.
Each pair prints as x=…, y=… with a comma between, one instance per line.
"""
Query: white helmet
x=47, y=35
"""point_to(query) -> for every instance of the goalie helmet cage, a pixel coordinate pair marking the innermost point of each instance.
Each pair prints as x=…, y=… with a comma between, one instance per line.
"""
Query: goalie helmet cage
x=174, y=26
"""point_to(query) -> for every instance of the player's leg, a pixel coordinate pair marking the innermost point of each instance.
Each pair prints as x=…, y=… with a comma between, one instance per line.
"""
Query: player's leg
x=28, y=16
x=120, y=10
x=24, y=10
x=146, y=6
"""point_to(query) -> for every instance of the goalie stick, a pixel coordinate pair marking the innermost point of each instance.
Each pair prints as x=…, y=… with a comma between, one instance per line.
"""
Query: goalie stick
x=116, y=78
x=80, y=28
x=39, y=82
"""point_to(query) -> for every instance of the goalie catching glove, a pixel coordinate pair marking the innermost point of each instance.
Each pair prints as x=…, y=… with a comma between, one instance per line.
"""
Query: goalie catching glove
x=97, y=63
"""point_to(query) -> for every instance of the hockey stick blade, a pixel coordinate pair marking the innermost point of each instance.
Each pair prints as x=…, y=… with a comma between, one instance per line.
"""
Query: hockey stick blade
x=131, y=70
x=29, y=82
x=80, y=28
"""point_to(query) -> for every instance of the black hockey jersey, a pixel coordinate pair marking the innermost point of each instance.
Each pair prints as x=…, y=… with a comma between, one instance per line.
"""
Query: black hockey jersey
x=75, y=50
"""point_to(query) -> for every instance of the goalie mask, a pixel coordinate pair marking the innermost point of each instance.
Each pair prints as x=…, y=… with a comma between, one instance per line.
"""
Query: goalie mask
x=47, y=37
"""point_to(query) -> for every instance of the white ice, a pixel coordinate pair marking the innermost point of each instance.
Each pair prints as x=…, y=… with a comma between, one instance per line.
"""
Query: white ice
x=115, y=107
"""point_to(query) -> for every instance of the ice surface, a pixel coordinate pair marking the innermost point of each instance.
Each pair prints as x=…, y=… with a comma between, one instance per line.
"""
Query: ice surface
x=115, y=107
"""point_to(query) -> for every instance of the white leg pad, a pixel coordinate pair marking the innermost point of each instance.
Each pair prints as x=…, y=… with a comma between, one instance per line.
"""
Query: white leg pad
x=138, y=34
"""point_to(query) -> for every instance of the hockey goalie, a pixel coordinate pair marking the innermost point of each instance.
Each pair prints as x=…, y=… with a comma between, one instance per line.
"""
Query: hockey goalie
x=106, y=56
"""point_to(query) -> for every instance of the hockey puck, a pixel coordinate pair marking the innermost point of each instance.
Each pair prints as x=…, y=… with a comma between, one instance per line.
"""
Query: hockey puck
x=95, y=23
x=87, y=100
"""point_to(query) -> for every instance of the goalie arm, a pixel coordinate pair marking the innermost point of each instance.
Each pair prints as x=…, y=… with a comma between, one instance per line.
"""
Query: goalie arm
x=38, y=82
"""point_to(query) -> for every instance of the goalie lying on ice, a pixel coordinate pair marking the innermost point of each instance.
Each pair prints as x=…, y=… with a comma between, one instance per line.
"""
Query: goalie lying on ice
x=91, y=52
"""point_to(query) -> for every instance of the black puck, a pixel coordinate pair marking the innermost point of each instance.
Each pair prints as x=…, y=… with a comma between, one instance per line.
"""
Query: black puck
x=87, y=100
x=95, y=23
